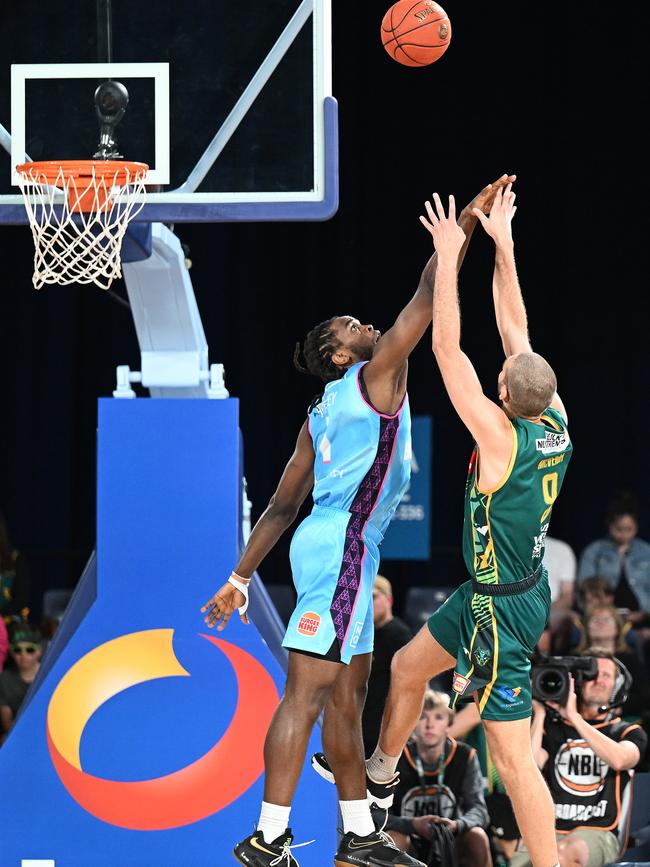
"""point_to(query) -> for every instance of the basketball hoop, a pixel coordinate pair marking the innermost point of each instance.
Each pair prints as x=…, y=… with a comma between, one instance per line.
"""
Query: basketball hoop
x=79, y=211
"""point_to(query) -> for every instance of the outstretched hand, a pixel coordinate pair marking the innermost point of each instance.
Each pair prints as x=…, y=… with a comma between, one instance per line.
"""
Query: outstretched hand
x=222, y=606
x=447, y=235
x=485, y=199
x=499, y=223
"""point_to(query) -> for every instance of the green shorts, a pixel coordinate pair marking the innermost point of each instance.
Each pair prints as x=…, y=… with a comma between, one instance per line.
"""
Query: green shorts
x=492, y=639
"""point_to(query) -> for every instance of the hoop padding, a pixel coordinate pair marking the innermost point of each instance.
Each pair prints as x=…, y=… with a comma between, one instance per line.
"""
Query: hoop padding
x=79, y=212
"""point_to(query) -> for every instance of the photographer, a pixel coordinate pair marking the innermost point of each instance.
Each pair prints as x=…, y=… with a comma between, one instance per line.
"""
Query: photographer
x=586, y=754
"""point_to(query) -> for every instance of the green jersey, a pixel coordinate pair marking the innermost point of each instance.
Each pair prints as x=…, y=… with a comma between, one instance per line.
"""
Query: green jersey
x=505, y=528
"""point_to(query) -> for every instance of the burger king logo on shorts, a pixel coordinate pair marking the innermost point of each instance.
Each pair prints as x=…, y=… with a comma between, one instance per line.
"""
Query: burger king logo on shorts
x=309, y=624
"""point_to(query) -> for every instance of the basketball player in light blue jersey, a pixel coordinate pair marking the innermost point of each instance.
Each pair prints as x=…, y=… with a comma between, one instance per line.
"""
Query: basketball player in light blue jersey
x=354, y=454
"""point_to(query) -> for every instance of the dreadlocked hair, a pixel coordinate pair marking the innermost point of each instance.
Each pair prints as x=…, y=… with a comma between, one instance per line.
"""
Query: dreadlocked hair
x=316, y=351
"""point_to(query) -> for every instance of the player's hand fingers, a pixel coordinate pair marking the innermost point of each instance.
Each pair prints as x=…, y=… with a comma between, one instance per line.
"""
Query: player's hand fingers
x=478, y=213
x=439, y=209
x=452, y=209
x=427, y=225
x=213, y=617
x=224, y=622
x=244, y=619
x=431, y=213
x=215, y=612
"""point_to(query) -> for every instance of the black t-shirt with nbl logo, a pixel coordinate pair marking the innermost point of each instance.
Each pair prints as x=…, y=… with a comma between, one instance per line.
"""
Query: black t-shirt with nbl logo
x=586, y=792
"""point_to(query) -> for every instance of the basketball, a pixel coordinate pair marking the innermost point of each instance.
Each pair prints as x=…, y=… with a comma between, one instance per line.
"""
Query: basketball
x=416, y=33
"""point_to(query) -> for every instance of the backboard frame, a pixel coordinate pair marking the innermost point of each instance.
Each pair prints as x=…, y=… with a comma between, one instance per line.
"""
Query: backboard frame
x=184, y=204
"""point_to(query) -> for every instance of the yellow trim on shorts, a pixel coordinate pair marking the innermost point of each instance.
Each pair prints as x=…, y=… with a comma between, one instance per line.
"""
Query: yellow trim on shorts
x=495, y=661
x=513, y=455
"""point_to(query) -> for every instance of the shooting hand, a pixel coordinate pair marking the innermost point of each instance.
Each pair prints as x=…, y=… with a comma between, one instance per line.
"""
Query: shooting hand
x=485, y=199
x=499, y=224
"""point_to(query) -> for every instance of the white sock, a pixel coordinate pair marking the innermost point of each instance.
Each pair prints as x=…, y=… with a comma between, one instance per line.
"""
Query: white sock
x=273, y=821
x=357, y=818
x=381, y=767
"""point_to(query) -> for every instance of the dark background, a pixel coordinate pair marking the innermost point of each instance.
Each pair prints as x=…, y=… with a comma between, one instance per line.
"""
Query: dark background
x=557, y=95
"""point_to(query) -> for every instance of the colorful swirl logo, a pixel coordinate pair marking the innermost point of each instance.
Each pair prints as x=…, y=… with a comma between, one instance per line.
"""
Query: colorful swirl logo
x=188, y=795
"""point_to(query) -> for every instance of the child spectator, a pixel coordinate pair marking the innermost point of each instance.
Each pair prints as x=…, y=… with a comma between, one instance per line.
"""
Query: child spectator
x=26, y=653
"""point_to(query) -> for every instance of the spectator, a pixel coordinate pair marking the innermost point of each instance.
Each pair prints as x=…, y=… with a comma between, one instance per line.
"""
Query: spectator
x=391, y=633
x=604, y=627
x=26, y=653
x=440, y=784
x=4, y=643
x=502, y=830
x=623, y=560
x=594, y=591
x=14, y=576
x=560, y=561
x=587, y=757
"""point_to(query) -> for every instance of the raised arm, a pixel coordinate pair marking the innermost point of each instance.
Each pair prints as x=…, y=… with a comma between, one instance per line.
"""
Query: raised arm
x=487, y=423
x=388, y=365
x=294, y=486
x=509, y=306
x=508, y=301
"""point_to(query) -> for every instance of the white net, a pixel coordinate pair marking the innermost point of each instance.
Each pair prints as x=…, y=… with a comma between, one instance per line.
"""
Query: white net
x=79, y=221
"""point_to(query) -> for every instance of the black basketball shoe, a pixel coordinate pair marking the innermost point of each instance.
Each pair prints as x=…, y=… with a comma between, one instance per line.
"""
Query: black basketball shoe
x=375, y=850
x=381, y=794
x=256, y=852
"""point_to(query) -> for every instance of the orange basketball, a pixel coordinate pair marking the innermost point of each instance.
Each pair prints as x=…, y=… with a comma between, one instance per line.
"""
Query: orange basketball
x=416, y=32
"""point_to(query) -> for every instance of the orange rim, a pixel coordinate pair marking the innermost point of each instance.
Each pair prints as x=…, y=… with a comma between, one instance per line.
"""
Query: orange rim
x=120, y=172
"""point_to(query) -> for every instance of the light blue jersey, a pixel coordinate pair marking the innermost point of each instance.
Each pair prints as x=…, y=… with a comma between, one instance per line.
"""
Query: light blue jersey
x=363, y=457
x=362, y=467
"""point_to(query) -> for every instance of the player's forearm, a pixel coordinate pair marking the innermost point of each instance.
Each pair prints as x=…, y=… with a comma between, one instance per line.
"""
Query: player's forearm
x=467, y=222
x=509, y=307
x=265, y=534
x=446, y=310
x=611, y=752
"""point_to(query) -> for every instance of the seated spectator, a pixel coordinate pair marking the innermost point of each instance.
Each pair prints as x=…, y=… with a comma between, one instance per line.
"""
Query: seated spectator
x=560, y=562
x=594, y=591
x=586, y=756
x=14, y=576
x=440, y=784
x=391, y=633
x=4, y=643
x=623, y=560
x=502, y=829
x=26, y=653
x=604, y=628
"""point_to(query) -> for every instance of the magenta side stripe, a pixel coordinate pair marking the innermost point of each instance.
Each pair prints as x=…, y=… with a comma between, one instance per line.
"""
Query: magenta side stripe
x=365, y=550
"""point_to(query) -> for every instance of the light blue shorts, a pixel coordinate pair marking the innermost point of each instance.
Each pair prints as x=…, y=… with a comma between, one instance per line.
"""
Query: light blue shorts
x=334, y=561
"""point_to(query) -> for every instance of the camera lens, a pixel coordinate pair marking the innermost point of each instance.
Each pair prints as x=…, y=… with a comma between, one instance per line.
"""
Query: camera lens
x=549, y=684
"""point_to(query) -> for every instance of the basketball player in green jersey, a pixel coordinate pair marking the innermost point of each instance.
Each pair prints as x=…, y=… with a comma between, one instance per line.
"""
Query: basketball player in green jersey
x=489, y=627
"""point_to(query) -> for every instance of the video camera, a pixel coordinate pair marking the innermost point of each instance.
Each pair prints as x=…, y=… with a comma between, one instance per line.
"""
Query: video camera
x=550, y=676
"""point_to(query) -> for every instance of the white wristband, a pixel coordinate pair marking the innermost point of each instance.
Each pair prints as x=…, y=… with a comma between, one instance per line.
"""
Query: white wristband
x=242, y=585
